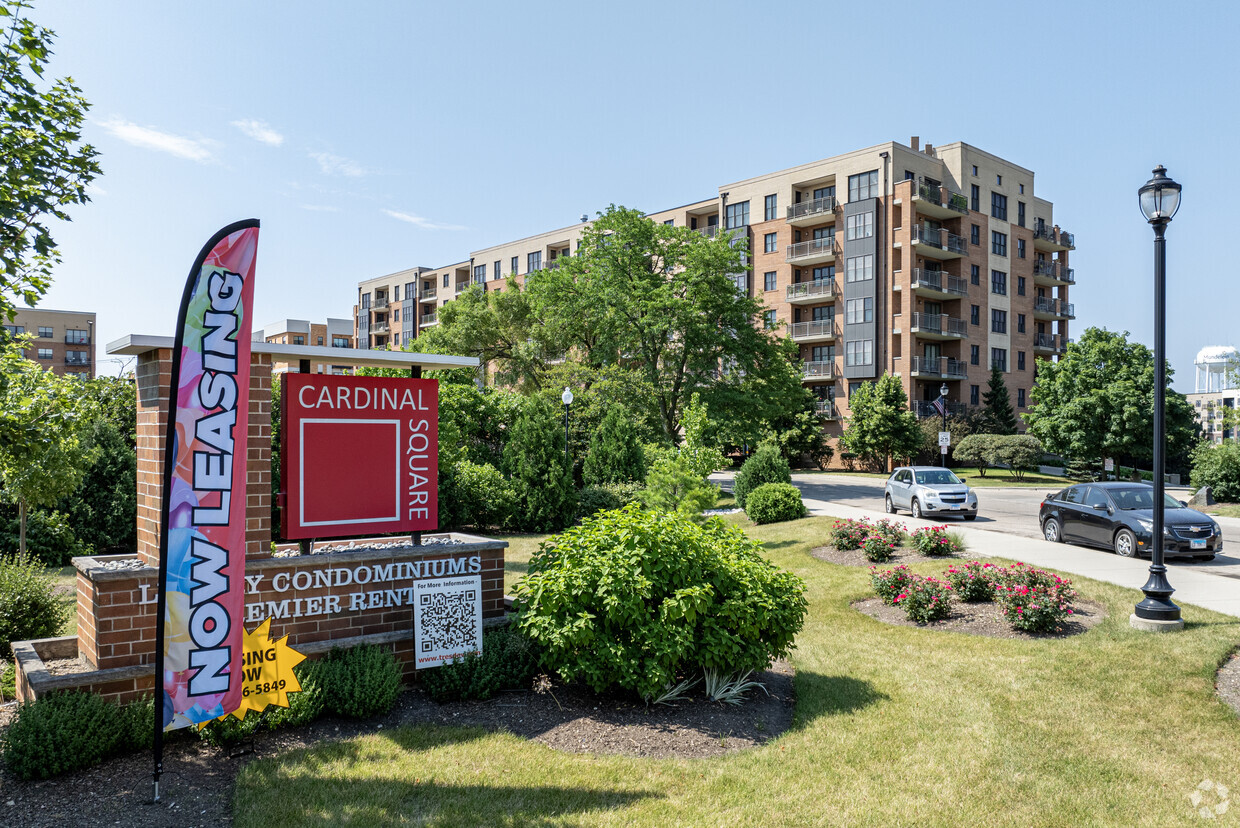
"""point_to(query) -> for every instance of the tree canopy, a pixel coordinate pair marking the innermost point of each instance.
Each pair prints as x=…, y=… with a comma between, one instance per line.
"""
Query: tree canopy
x=881, y=426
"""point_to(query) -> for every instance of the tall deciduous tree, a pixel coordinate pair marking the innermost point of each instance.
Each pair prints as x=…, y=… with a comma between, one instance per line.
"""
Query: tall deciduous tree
x=881, y=426
x=1097, y=402
x=46, y=166
x=1000, y=415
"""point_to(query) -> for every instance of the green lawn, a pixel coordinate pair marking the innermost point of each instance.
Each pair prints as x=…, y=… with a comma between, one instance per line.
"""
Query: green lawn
x=1224, y=510
x=894, y=726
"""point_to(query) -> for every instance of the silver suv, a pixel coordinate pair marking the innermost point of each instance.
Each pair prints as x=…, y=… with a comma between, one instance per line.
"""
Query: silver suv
x=929, y=490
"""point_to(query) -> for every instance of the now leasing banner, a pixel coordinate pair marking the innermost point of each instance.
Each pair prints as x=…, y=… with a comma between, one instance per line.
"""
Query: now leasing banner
x=202, y=561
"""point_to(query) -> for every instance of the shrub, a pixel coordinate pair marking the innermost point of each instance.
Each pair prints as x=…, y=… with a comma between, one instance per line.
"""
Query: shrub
x=615, y=455
x=774, y=502
x=936, y=542
x=878, y=547
x=542, y=485
x=68, y=731
x=671, y=486
x=304, y=707
x=593, y=499
x=360, y=682
x=631, y=599
x=892, y=530
x=1019, y=452
x=49, y=535
x=890, y=583
x=508, y=662
x=1033, y=600
x=485, y=497
x=976, y=450
x=848, y=534
x=972, y=582
x=766, y=465
x=1218, y=466
x=925, y=599
x=29, y=608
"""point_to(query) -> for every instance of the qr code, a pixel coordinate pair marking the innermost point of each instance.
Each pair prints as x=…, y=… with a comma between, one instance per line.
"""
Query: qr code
x=447, y=620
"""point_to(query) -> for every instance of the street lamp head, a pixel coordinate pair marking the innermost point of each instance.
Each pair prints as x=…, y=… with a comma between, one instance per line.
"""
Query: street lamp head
x=1160, y=197
x=567, y=396
x=943, y=390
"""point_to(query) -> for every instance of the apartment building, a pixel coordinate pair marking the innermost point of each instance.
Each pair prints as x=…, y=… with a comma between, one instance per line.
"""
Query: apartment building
x=930, y=263
x=1216, y=391
x=332, y=333
x=63, y=341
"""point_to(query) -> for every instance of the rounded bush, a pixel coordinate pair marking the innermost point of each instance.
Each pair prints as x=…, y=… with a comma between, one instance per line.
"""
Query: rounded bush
x=1218, y=466
x=936, y=542
x=774, y=502
x=29, y=608
x=360, y=682
x=925, y=599
x=508, y=661
x=64, y=732
x=890, y=583
x=973, y=581
x=632, y=599
x=766, y=465
x=485, y=497
x=878, y=547
x=848, y=534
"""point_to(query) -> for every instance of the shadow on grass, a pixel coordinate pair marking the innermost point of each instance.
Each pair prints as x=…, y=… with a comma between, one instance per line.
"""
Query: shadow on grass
x=352, y=783
x=517, y=567
x=784, y=544
x=819, y=695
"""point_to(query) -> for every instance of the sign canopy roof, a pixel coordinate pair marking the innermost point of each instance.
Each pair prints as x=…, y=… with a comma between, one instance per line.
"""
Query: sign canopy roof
x=134, y=344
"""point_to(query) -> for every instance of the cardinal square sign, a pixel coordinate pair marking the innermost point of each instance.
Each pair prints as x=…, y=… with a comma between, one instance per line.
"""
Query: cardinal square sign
x=359, y=455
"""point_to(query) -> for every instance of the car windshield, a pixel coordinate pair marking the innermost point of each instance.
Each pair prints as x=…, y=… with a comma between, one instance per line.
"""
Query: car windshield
x=1140, y=498
x=936, y=477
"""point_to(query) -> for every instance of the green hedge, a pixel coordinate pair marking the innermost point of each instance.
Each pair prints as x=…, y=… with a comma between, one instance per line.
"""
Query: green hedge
x=774, y=502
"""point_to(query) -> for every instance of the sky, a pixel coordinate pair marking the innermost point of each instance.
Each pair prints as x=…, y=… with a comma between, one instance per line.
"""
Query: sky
x=369, y=137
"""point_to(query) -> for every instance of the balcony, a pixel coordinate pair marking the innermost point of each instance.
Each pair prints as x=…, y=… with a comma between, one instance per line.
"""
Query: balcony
x=812, y=212
x=1044, y=307
x=924, y=409
x=429, y=294
x=821, y=331
x=76, y=359
x=429, y=319
x=938, y=201
x=818, y=371
x=1048, y=238
x=1047, y=343
x=77, y=339
x=826, y=409
x=380, y=302
x=942, y=367
x=811, y=252
x=1052, y=273
x=810, y=293
x=461, y=287
x=938, y=244
x=709, y=231
x=939, y=326
x=938, y=284
x=379, y=328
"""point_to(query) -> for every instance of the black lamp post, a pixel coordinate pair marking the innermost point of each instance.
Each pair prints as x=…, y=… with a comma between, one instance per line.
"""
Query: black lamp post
x=943, y=389
x=1160, y=198
x=567, y=399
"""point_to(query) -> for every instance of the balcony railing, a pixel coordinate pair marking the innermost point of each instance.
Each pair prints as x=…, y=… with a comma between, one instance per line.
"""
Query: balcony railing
x=1047, y=342
x=812, y=330
x=1053, y=270
x=940, y=367
x=1045, y=232
x=429, y=319
x=940, y=324
x=826, y=409
x=941, y=196
x=819, y=370
x=940, y=280
x=924, y=409
x=709, y=231
x=813, y=247
x=1055, y=307
x=824, y=288
x=429, y=293
x=77, y=339
x=380, y=303
x=807, y=209
x=73, y=359
x=939, y=238
x=379, y=327
x=461, y=287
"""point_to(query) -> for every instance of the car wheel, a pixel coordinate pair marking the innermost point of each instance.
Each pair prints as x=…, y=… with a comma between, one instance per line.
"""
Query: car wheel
x=1050, y=531
x=916, y=510
x=891, y=507
x=1203, y=558
x=1125, y=544
x=970, y=517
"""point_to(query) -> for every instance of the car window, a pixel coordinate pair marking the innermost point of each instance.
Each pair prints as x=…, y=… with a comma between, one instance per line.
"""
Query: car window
x=936, y=477
x=1140, y=497
x=1073, y=494
x=906, y=477
x=1095, y=497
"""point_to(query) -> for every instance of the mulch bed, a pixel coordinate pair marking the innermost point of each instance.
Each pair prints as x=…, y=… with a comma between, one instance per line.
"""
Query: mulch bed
x=985, y=619
x=197, y=786
x=1227, y=682
x=855, y=557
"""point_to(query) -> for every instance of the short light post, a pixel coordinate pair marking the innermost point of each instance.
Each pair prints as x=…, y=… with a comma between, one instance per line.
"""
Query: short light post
x=1160, y=198
x=943, y=389
x=567, y=399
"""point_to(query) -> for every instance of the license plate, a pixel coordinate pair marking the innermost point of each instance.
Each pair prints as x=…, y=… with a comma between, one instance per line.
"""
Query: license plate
x=1199, y=544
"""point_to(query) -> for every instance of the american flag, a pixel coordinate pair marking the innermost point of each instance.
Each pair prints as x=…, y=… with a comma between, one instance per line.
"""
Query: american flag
x=940, y=407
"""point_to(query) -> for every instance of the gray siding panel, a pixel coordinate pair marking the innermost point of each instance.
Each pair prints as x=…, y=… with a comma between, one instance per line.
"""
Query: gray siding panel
x=859, y=290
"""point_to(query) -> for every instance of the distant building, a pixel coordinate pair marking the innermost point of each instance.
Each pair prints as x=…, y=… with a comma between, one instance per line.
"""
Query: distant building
x=1216, y=388
x=333, y=333
x=63, y=341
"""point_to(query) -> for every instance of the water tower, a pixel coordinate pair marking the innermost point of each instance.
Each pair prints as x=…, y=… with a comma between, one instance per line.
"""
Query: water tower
x=1217, y=368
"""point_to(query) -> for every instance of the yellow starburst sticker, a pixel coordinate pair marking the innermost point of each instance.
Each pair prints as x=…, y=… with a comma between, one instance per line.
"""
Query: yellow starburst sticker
x=267, y=671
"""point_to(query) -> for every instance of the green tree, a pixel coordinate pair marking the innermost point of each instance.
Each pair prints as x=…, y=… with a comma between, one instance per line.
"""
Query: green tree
x=534, y=461
x=672, y=486
x=881, y=426
x=46, y=169
x=998, y=405
x=1097, y=402
x=615, y=454
x=1218, y=466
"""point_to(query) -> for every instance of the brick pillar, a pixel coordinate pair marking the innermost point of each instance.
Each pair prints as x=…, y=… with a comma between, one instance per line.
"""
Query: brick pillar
x=258, y=468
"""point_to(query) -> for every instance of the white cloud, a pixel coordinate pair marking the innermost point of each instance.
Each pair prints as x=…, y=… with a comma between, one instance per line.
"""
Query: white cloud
x=336, y=165
x=139, y=136
x=319, y=208
x=260, y=131
x=418, y=221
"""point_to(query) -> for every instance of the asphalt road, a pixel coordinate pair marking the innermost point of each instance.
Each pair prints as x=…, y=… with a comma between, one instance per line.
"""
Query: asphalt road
x=1012, y=511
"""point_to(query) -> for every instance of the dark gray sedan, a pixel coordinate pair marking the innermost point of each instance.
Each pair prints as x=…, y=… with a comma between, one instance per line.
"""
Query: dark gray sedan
x=1120, y=516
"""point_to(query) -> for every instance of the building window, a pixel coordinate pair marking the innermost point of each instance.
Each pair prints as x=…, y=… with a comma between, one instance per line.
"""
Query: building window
x=975, y=393
x=1022, y=189
x=395, y=313
x=975, y=274
x=46, y=333
x=998, y=180
x=859, y=268
x=998, y=321
x=823, y=353
x=1020, y=396
x=771, y=207
x=998, y=282
x=859, y=352
x=975, y=235
x=863, y=185
x=998, y=358
x=320, y=341
x=768, y=279
x=480, y=274
x=824, y=192
x=823, y=314
x=340, y=342
x=857, y=311
x=975, y=169
x=77, y=337
x=1020, y=248
x=737, y=215
x=975, y=196
x=975, y=314
x=77, y=358
x=1020, y=323
x=908, y=175
x=1020, y=360
x=769, y=242
x=445, y=280
x=533, y=262
x=670, y=223
x=769, y=317
x=860, y=226
x=499, y=274
x=45, y=353
x=824, y=274
x=1020, y=285
x=975, y=355
x=998, y=206
x=1020, y=209
x=514, y=266
x=299, y=340
x=998, y=243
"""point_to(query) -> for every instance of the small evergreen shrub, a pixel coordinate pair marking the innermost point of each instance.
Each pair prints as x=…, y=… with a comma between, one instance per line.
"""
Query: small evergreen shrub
x=615, y=455
x=544, y=499
x=774, y=502
x=672, y=486
x=634, y=599
x=29, y=608
x=936, y=542
x=878, y=547
x=925, y=599
x=766, y=465
x=848, y=534
x=69, y=731
x=890, y=583
x=593, y=499
x=360, y=682
x=972, y=582
x=508, y=662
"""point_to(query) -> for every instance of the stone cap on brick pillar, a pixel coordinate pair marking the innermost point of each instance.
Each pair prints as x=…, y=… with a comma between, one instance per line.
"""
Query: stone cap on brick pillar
x=137, y=344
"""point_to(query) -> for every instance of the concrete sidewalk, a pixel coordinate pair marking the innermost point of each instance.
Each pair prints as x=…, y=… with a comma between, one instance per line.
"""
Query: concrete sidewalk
x=1191, y=587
